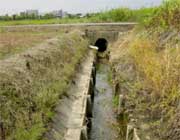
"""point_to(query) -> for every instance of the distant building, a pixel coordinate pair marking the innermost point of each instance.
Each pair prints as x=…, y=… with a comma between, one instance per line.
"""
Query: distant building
x=65, y=14
x=22, y=14
x=57, y=13
x=32, y=12
x=36, y=13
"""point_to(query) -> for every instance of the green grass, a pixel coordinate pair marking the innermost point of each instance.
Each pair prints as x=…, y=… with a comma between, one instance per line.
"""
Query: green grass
x=124, y=15
x=166, y=16
x=114, y=15
x=43, y=21
x=32, y=134
x=115, y=101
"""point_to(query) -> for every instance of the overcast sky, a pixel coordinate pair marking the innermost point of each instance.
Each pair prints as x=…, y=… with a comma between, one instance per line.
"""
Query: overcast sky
x=72, y=6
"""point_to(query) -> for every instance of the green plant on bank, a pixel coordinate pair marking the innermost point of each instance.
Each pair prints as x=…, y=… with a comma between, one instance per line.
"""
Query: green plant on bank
x=110, y=77
x=115, y=101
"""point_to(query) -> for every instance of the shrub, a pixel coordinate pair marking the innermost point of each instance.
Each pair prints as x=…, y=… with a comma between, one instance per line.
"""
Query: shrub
x=167, y=15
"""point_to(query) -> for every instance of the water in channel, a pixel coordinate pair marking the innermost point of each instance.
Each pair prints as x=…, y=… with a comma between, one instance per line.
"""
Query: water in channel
x=103, y=116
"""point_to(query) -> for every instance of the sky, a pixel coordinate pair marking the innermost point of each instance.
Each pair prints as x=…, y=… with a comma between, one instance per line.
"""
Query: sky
x=71, y=6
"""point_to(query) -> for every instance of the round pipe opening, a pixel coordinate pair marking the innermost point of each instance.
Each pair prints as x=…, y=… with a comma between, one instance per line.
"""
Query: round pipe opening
x=102, y=44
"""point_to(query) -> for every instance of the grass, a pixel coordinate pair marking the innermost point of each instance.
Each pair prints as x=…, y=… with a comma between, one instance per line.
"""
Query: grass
x=32, y=83
x=159, y=74
x=115, y=15
x=125, y=15
x=16, y=42
x=160, y=68
x=116, y=101
x=148, y=62
x=43, y=21
x=31, y=134
x=166, y=16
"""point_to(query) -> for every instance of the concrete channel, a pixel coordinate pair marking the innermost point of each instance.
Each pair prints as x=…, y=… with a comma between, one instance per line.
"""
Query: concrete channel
x=104, y=117
x=75, y=117
x=82, y=105
x=86, y=111
x=74, y=111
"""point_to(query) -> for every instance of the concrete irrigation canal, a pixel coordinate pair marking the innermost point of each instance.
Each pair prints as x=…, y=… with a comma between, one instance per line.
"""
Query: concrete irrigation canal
x=103, y=115
x=91, y=81
x=87, y=111
x=70, y=75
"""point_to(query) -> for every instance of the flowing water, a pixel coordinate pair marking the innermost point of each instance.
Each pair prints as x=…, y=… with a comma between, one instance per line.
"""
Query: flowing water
x=103, y=116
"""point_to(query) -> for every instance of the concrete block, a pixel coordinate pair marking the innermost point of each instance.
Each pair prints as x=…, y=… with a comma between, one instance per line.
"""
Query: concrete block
x=135, y=137
x=89, y=107
x=84, y=134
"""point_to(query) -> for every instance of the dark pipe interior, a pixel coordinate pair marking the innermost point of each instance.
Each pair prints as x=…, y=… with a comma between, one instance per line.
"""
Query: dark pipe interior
x=102, y=44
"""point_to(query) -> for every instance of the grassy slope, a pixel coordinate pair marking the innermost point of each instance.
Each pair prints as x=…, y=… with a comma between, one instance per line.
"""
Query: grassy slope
x=34, y=81
x=148, y=61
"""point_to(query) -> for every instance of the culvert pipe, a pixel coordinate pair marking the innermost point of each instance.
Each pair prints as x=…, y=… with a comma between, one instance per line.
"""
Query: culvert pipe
x=101, y=44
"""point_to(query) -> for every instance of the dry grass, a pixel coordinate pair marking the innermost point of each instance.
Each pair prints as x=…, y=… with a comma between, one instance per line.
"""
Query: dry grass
x=149, y=75
x=160, y=71
x=147, y=70
x=159, y=68
x=15, y=42
x=32, y=82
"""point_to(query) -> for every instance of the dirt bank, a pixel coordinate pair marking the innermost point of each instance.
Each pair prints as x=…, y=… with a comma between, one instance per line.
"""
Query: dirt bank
x=145, y=66
x=32, y=82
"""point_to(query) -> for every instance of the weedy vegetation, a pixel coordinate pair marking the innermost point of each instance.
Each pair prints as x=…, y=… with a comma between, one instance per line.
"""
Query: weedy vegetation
x=149, y=70
x=32, y=82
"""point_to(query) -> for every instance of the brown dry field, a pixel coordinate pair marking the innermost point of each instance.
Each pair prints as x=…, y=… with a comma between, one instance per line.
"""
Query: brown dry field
x=15, y=42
